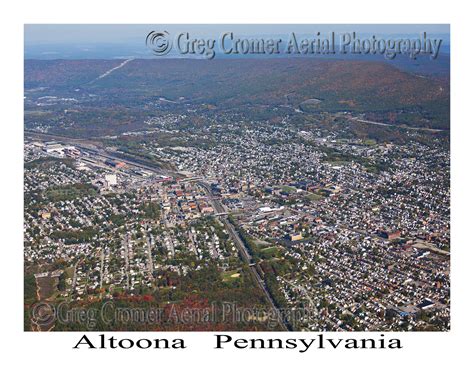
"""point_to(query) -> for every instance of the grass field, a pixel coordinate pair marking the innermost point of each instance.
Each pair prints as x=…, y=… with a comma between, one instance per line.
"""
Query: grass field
x=70, y=192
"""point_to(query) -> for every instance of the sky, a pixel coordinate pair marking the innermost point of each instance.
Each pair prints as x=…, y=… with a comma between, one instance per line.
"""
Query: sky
x=115, y=41
x=90, y=33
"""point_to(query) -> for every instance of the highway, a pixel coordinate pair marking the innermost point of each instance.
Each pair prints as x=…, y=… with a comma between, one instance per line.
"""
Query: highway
x=243, y=252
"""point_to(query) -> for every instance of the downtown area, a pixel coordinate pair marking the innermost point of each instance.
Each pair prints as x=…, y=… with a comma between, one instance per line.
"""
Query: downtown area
x=326, y=230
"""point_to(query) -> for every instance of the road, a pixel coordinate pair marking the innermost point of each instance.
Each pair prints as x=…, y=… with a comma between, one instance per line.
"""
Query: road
x=149, y=242
x=126, y=242
x=397, y=126
x=74, y=277
x=244, y=254
x=101, y=269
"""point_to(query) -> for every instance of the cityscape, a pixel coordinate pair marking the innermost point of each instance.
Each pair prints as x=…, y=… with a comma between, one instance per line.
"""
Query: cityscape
x=304, y=194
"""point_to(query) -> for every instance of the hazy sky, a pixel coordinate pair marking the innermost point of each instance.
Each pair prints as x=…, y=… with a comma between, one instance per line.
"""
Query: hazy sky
x=93, y=33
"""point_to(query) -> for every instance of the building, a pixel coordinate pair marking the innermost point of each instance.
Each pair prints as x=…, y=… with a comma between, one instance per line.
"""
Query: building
x=390, y=235
x=111, y=179
x=296, y=237
x=115, y=164
x=54, y=148
x=425, y=304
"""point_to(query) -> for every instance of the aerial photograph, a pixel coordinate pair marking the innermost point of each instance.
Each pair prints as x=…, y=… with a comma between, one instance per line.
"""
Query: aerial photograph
x=236, y=177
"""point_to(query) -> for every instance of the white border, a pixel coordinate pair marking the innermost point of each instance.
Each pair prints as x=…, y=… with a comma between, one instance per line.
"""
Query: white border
x=434, y=355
